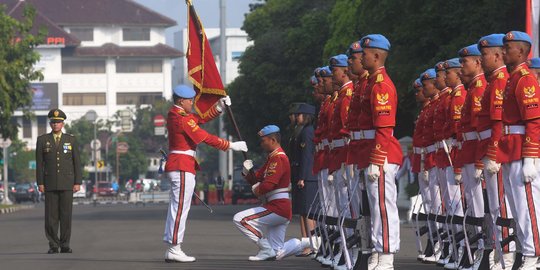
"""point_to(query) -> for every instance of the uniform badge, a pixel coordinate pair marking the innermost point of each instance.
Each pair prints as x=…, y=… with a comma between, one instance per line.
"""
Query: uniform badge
x=509, y=36
x=484, y=43
x=380, y=78
x=303, y=145
x=465, y=52
x=272, y=166
x=356, y=46
x=56, y=113
x=366, y=42
x=192, y=123
x=478, y=101
x=499, y=94
x=524, y=72
x=457, y=109
x=382, y=98
x=500, y=75
x=529, y=91
x=479, y=83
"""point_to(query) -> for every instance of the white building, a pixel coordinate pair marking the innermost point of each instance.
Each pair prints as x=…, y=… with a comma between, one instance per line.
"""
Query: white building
x=104, y=55
x=237, y=42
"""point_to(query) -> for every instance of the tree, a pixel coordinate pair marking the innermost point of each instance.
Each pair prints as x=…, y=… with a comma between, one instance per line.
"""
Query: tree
x=288, y=40
x=17, y=58
x=18, y=162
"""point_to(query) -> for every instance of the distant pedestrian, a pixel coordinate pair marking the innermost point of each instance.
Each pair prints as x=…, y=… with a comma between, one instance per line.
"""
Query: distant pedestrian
x=218, y=181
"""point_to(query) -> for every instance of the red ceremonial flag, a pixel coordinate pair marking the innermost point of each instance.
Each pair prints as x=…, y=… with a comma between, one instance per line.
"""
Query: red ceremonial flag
x=202, y=70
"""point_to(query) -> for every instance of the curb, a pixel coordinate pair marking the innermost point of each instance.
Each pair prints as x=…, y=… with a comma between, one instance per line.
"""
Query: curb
x=15, y=209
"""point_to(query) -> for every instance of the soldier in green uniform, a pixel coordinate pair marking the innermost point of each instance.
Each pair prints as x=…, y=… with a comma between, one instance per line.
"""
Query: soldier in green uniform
x=58, y=176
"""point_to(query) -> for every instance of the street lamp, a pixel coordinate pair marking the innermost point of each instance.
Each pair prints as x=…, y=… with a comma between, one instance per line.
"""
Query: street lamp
x=5, y=143
x=91, y=116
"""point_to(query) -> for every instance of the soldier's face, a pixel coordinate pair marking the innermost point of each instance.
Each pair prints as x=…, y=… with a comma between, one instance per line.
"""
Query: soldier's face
x=187, y=104
x=355, y=63
x=429, y=88
x=469, y=66
x=439, y=80
x=339, y=75
x=368, y=58
x=452, y=77
x=57, y=126
x=420, y=95
x=490, y=59
x=328, y=86
x=511, y=53
x=267, y=143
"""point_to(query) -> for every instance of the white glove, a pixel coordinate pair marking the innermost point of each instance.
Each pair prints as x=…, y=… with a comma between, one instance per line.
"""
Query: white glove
x=254, y=186
x=247, y=166
x=374, y=172
x=347, y=140
x=425, y=176
x=478, y=174
x=529, y=170
x=491, y=166
x=457, y=178
x=226, y=100
x=330, y=179
x=238, y=146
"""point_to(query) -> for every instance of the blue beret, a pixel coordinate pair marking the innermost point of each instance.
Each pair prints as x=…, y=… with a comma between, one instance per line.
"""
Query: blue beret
x=517, y=36
x=493, y=40
x=417, y=83
x=316, y=72
x=428, y=74
x=471, y=50
x=452, y=63
x=314, y=80
x=375, y=41
x=268, y=130
x=339, y=60
x=184, y=91
x=439, y=66
x=325, y=72
x=535, y=63
x=355, y=48
x=305, y=109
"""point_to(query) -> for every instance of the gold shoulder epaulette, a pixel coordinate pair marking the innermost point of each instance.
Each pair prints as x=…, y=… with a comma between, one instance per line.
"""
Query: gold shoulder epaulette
x=380, y=78
x=349, y=92
x=524, y=72
x=182, y=113
x=479, y=83
x=458, y=93
x=500, y=75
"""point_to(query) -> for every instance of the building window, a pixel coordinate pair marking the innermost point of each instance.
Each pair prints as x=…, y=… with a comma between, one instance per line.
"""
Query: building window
x=27, y=128
x=82, y=66
x=83, y=98
x=83, y=34
x=42, y=124
x=236, y=55
x=137, y=98
x=136, y=34
x=138, y=66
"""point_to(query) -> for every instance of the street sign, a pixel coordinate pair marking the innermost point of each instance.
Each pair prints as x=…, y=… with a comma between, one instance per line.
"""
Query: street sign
x=126, y=121
x=159, y=131
x=122, y=147
x=5, y=143
x=95, y=144
x=100, y=164
x=159, y=120
x=32, y=164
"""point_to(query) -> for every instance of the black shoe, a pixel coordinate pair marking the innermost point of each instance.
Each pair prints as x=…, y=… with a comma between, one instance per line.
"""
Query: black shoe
x=52, y=250
x=66, y=250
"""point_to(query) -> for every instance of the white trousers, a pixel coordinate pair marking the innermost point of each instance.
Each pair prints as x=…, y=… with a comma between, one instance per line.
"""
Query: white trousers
x=455, y=205
x=498, y=206
x=435, y=192
x=524, y=201
x=424, y=191
x=382, y=196
x=260, y=223
x=182, y=186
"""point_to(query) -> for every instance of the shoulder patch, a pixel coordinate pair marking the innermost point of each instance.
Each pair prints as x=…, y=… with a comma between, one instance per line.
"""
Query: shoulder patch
x=524, y=72
x=479, y=83
x=500, y=75
x=349, y=92
x=458, y=93
x=380, y=78
x=182, y=113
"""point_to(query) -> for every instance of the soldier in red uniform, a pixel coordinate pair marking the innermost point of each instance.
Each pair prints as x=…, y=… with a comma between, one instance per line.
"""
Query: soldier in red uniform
x=474, y=198
x=489, y=133
x=266, y=225
x=518, y=147
x=534, y=66
x=184, y=136
x=385, y=156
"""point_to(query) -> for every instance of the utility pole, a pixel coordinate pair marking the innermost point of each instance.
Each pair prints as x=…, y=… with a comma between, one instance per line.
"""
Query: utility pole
x=223, y=72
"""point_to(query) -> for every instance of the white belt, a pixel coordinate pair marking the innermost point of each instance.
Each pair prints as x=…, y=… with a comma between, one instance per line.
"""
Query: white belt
x=282, y=195
x=363, y=134
x=484, y=134
x=325, y=142
x=319, y=147
x=184, y=152
x=431, y=148
x=417, y=150
x=516, y=129
x=338, y=143
x=470, y=136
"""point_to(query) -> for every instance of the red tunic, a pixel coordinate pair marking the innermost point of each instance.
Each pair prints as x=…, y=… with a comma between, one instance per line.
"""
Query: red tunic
x=469, y=119
x=490, y=115
x=337, y=124
x=440, y=120
x=454, y=114
x=428, y=138
x=417, y=139
x=382, y=111
x=358, y=150
x=274, y=174
x=185, y=134
x=320, y=131
x=521, y=106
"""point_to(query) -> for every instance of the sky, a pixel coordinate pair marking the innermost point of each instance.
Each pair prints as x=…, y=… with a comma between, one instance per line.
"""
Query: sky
x=208, y=11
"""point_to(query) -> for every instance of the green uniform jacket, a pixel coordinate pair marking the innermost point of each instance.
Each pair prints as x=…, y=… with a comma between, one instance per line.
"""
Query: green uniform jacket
x=58, y=166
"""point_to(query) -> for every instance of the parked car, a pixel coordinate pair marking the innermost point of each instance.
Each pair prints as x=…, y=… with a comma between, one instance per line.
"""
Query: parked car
x=241, y=189
x=26, y=192
x=105, y=189
x=165, y=184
